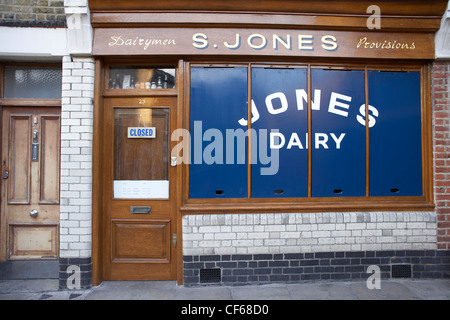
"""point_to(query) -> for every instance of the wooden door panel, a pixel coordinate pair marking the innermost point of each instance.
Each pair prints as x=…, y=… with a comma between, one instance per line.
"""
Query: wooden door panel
x=33, y=241
x=140, y=271
x=19, y=159
x=49, y=168
x=141, y=241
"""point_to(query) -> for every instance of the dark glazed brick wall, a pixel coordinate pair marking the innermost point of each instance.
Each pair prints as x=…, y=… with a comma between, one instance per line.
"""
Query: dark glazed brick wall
x=65, y=271
x=271, y=268
x=32, y=13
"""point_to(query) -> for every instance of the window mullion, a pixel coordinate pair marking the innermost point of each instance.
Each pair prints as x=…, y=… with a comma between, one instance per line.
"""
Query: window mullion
x=249, y=127
x=308, y=107
x=366, y=94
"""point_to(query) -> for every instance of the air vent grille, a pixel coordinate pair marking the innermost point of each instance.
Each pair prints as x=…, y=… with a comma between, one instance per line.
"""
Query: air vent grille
x=401, y=271
x=210, y=275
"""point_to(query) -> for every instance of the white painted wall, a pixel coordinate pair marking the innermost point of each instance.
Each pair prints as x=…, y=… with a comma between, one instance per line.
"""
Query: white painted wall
x=33, y=42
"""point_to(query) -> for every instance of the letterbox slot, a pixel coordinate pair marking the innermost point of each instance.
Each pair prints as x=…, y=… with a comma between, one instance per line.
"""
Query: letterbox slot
x=141, y=210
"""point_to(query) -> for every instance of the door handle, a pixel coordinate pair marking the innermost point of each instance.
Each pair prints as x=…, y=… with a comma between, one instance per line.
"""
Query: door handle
x=34, y=213
x=5, y=174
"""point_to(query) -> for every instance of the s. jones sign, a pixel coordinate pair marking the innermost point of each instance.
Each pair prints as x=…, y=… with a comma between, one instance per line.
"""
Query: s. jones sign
x=177, y=41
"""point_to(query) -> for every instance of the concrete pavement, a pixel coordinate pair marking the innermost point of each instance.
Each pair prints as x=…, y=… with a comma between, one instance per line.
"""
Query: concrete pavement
x=395, y=289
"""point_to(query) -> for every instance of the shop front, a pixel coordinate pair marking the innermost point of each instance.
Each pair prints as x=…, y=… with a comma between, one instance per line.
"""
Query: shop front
x=242, y=145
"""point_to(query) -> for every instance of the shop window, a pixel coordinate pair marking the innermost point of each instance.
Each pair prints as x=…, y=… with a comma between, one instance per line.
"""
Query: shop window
x=218, y=165
x=280, y=166
x=142, y=78
x=141, y=153
x=395, y=139
x=326, y=146
x=32, y=82
x=338, y=139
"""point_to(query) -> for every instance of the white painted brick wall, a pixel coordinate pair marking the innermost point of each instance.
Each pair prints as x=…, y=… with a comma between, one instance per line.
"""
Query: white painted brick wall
x=76, y=157
x=308, y=232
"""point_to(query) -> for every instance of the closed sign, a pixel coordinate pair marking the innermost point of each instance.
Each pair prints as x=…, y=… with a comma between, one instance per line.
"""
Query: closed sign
x=141, y=132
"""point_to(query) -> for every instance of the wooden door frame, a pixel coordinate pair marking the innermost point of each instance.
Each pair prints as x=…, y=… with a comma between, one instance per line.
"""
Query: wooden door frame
x=98, y=206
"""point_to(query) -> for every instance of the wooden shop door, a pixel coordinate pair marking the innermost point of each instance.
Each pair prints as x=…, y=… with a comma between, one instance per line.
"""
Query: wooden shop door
x=30, y=183
x=139, y=197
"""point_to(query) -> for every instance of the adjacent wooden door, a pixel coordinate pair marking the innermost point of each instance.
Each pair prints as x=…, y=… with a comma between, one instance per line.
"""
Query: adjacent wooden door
x=30, y=183
x=139, y=189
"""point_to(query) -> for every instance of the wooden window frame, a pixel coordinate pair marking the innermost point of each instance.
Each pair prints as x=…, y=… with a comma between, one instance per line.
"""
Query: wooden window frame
x=27, y=102
x=139, y=92
x=316, y=204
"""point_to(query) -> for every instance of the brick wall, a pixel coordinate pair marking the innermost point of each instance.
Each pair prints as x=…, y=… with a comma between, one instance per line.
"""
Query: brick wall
x=266, y=248
x=32, y=13
x=441, y=112
x=76, y=157
x=289, y=247
x=238, y=269
x=308, y=232
x=76, y=172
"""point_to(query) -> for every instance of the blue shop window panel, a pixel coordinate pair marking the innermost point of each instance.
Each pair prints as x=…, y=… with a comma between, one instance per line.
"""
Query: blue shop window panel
x=395, y=139
x=338, y=138
x=282, y=171
x=218, y=100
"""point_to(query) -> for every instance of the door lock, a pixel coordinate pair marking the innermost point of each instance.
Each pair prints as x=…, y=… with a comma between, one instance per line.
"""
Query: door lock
x=34, y=213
